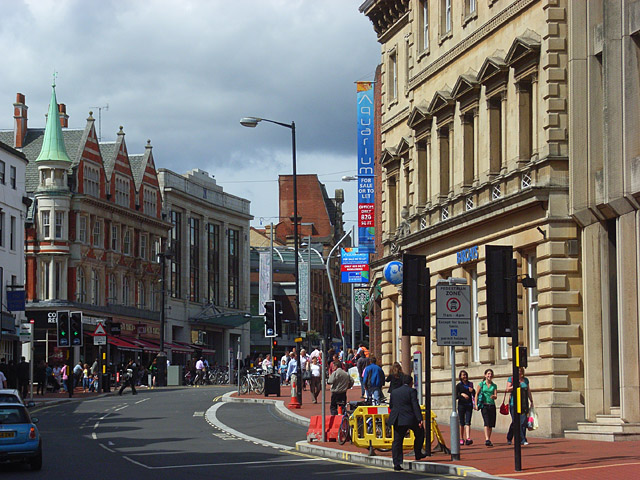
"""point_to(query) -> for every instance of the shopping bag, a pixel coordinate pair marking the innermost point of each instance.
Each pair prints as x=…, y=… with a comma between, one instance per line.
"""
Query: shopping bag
x=532, y=421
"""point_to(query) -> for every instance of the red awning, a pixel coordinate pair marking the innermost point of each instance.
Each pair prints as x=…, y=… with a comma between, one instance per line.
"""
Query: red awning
x=146, y=345
x=178, y=347
x=122, y=344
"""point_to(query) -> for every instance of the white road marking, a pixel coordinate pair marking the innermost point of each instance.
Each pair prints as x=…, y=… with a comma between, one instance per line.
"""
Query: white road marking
x=94, y=436
x=120, y=408
x=107, y=448
x=212, y=419
x=198, y=414
x=143, y=400
x=259, y=463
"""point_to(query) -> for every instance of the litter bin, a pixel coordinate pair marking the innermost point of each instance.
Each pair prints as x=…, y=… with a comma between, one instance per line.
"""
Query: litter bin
x=271, y=385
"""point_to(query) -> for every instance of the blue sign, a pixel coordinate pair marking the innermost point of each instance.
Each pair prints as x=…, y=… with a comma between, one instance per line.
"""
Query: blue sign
x=467, y=255
x=355, y=266
x=393, y=272
x=366, y=190
x=15, y=300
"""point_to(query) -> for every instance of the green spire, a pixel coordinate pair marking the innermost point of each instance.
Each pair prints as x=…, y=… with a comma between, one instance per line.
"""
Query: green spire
x=53, y=143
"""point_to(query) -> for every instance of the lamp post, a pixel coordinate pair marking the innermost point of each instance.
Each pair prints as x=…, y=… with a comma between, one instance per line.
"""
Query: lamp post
x=161, y=359
x=252, y=122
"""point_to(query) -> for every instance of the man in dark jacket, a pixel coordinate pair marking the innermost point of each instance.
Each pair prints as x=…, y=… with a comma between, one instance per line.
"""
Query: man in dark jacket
x=23, y=377
x=362, y=363
x=405, y=414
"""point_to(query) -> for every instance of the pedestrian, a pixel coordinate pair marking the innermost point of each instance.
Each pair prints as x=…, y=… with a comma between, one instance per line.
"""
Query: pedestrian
x=314, y=382
x=395, y=377
x=40, y=377
x=3, y=366
x=486, y=403
x=373, y=378
x=129, y=378
x=86, y=377
x=12, y=374
x=199, y=371
x=405, y=415
x=58, y=376
x=67, y=379
x=23, y=377
x=267, y=365
x=526, y=403
x=361, y=364
x=94, y=367
x=465, y=394
x=304, y=358
x=3, y=379
x=340, y=382
x=292, y=367
x=77, y=374
x=153, y=370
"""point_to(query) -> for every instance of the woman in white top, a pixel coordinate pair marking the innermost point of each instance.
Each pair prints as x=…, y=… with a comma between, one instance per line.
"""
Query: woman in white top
x=266, y=364
x=314, y=384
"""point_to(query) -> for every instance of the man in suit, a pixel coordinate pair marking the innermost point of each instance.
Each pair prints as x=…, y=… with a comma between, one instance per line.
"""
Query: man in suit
x=405, y=415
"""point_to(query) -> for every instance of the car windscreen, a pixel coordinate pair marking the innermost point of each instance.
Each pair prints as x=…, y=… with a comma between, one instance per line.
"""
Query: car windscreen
x=8, y=398
x=12, y=414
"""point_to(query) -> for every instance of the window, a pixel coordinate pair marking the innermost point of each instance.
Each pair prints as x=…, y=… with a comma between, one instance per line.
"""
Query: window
x=91, y=181
x=469, y=142
x=59, y=224
x=392, y=76
x=126, y=242
x=176, y=236
x=424, y=26
x=446, y=17
x=143, y=247
x=12, y=176
x=392, y=198
x=115, y=238
x=156, y=249
x=525, y=120
x=445, y=142
x=95, y=287
x=532, y=300
x=234, y=268
x=97, y=233
x=12, y=234
x=1, y=229
x=213, y=263
x=125, y=291
x=141, y=299
x=495, y=134
x=81, y=285
x=2, y=172
x=122, y=191
x=82, y=229
x=46, y=223
x=149, y=201
x=113, y=289
x=469, y=7
x=194, y=256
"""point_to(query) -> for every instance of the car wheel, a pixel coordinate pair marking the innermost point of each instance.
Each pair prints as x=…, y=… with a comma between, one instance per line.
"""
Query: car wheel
x=36, y=462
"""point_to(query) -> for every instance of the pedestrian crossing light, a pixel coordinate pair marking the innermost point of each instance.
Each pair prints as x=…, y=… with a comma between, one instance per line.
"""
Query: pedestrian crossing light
x=75, y=328
x=270, y=319
x=63, y=329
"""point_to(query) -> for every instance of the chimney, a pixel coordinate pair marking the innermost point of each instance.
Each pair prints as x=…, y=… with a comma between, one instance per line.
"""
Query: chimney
x=20, y=124
x=64, y=118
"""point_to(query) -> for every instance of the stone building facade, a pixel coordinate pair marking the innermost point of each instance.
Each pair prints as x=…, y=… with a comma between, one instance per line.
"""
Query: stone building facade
x=475, y=152
x=604, y=73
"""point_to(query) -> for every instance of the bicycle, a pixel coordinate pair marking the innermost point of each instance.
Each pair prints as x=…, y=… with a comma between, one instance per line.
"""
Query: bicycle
x=252, y=381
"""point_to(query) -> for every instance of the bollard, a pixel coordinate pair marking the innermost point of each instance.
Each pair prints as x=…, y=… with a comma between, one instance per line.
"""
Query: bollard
x=294, y=403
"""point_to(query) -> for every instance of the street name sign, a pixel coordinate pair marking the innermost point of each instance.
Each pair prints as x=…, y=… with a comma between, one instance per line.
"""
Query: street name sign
x=453, y=315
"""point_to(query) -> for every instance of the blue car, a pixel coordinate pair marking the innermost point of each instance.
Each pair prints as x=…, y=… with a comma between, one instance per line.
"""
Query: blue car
x=19, y=437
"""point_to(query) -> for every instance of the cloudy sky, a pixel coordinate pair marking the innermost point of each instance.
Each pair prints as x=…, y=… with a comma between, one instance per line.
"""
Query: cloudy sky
x=182, y=74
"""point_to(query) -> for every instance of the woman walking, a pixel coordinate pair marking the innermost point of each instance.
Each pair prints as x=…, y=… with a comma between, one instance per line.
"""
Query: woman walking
x=465, y=394
x=314, y=383
x=396, y=377
x=486, y=403
x=527, y=402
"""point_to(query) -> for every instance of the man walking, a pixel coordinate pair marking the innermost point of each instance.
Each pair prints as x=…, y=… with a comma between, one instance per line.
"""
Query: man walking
x=129, y=379
x=340, y=382
x=405, y=415
x=373, y=378
x=362, y=363
x=23, y=377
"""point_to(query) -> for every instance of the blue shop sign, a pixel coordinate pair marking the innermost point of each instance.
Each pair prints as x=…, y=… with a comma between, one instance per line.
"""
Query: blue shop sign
x=467, y=255
x=16, y=300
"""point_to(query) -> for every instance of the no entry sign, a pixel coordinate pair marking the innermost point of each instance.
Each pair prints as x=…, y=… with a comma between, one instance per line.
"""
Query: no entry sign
x=453, y=315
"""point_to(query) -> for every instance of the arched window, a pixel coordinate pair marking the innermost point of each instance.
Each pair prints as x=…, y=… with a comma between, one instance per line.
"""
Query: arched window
x=141, y=295
x=81, y=286
x=125, y=291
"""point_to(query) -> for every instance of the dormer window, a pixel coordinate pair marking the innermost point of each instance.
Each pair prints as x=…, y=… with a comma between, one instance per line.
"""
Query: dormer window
x=91, y=181
x=122, y=191
x=149, y=201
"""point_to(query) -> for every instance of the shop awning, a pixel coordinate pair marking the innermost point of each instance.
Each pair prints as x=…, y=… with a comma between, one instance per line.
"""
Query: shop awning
x=178, y=348
x=122, y=344
x=146, y=345
x=204, y=350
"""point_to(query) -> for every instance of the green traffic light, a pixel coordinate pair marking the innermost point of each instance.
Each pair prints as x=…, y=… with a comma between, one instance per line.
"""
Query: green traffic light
x=63, y=333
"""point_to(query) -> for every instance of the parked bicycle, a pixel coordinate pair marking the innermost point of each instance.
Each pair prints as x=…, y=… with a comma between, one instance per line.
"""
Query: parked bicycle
x=252, y=381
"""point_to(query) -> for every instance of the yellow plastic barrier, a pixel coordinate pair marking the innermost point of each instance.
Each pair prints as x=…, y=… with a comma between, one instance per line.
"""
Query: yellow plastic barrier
x=369, y=428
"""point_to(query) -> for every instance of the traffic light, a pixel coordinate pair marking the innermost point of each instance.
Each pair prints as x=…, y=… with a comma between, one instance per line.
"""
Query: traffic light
x=278, y=318
x=275, y=343
x=416, y=302
x=63, y=329
x=270, y=319
x=75, y=328
x=501, y=282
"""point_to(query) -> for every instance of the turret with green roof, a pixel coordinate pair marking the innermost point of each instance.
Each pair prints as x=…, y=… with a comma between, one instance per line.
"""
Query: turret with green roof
x=53, y=144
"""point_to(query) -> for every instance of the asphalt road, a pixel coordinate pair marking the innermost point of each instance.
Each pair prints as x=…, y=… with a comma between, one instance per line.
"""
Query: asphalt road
x=165, y=434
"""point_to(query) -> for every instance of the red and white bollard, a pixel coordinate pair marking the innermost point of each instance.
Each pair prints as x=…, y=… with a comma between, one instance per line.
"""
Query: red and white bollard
x=294, y=392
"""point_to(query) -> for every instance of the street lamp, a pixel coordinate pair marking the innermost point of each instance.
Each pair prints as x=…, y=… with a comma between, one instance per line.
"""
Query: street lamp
x=252, y=122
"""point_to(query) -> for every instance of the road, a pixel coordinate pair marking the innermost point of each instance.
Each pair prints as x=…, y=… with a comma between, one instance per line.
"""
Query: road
x=167, y=434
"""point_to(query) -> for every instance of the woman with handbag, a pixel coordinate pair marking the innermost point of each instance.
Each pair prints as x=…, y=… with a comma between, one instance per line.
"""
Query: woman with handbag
x=465, y=394
x=486, y=403
x=527, y=401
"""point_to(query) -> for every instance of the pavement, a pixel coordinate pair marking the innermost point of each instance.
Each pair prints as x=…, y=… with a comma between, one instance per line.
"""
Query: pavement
x=542, y=459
